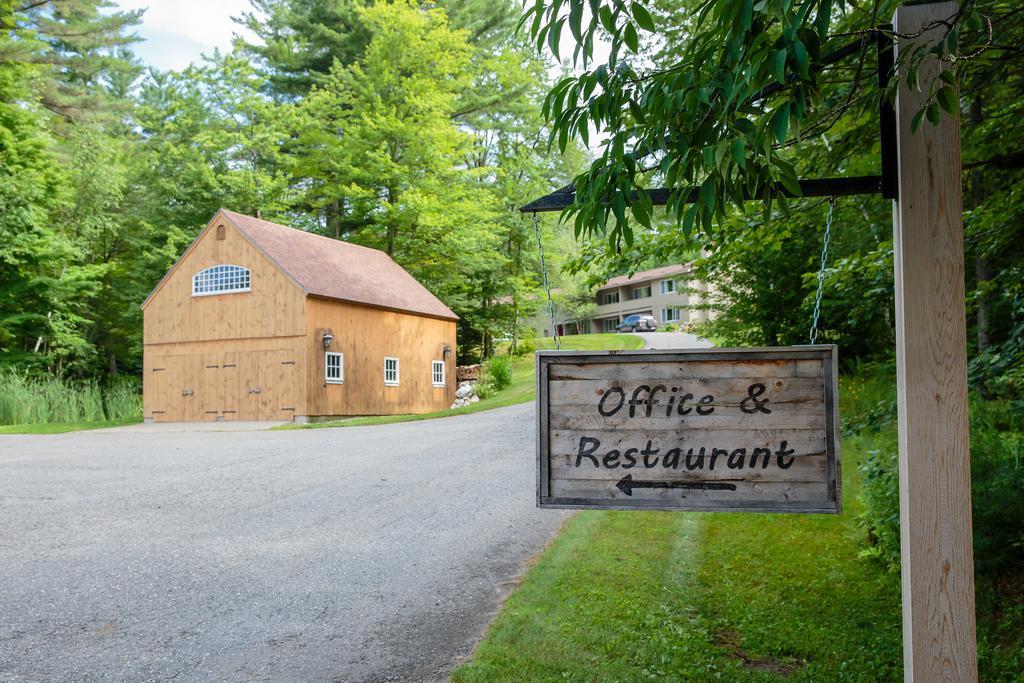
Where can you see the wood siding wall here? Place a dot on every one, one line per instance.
(274, 307)
(234, 356)
(365, 336)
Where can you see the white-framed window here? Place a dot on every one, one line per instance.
(668, 286)
(669, 315)
(334, 368)
(221, 279)
(610, 297)
(641, 292)
(437, 373)
(610, 324)
(390, 372)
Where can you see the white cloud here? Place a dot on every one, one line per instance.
(177, 32)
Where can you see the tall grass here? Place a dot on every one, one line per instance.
(25, 400)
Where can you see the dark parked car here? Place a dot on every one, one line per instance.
(637, 323)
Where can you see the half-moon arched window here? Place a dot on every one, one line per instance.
(221, 279)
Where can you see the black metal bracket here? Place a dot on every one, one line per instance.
(884, 184)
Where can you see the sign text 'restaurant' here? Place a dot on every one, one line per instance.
(695, 430)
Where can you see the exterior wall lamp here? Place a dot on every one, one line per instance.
(447, 351)
(327, 339)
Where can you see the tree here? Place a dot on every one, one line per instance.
(62, 71)
(213, 139)
(833, 133)
(81, 45)
(707, 120)
(301, 40)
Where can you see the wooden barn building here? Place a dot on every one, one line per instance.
(258, 321)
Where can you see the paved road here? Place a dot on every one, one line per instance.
(673, 340)
(356, 554)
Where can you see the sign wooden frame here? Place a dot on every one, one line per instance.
(829, 502)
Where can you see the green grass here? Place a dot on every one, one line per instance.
(28, 400)
(521, 389)
(62, 427)
(634, 596)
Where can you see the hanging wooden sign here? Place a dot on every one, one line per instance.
(751, 430)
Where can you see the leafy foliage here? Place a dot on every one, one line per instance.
(997, 491)
(713, 124)
(411, 129)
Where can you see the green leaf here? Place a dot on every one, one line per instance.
(554, 35)
(802, 62)
(739, 153)
(743, 125)
(946, 97)
(637, 112)
(607, 19)
(688, 218)
(747, 14)
(640, 212)
(780, 123)
(933, 114)
(823, 18)
(576, 19)
(631, 38)
(791, 184)
(912, 82)
(779, 66)
(707, 195)
(915, 122)
(542, 37)
(619, 207)
(642, 17)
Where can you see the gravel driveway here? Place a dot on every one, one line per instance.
(356, 554)
(673, 340)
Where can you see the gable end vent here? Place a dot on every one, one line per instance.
(221, 232)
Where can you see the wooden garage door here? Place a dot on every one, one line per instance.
(174, 388)
(164, 403)
(268, 385)
(252, 385)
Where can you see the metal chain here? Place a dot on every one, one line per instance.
(821, 271)
(547, 285)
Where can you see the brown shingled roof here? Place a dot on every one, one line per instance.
(645, 275)
(339, 270)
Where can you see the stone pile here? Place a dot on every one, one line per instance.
(465, 394)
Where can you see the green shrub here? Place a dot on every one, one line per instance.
(499, 370)
(524, 348)
(485, 387)
(997, 492)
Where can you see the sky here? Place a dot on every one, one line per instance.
(178, 32)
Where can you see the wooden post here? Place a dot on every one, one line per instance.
(939, 642)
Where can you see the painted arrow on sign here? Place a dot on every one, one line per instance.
(626, 485)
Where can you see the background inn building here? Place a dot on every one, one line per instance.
(669, 294)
